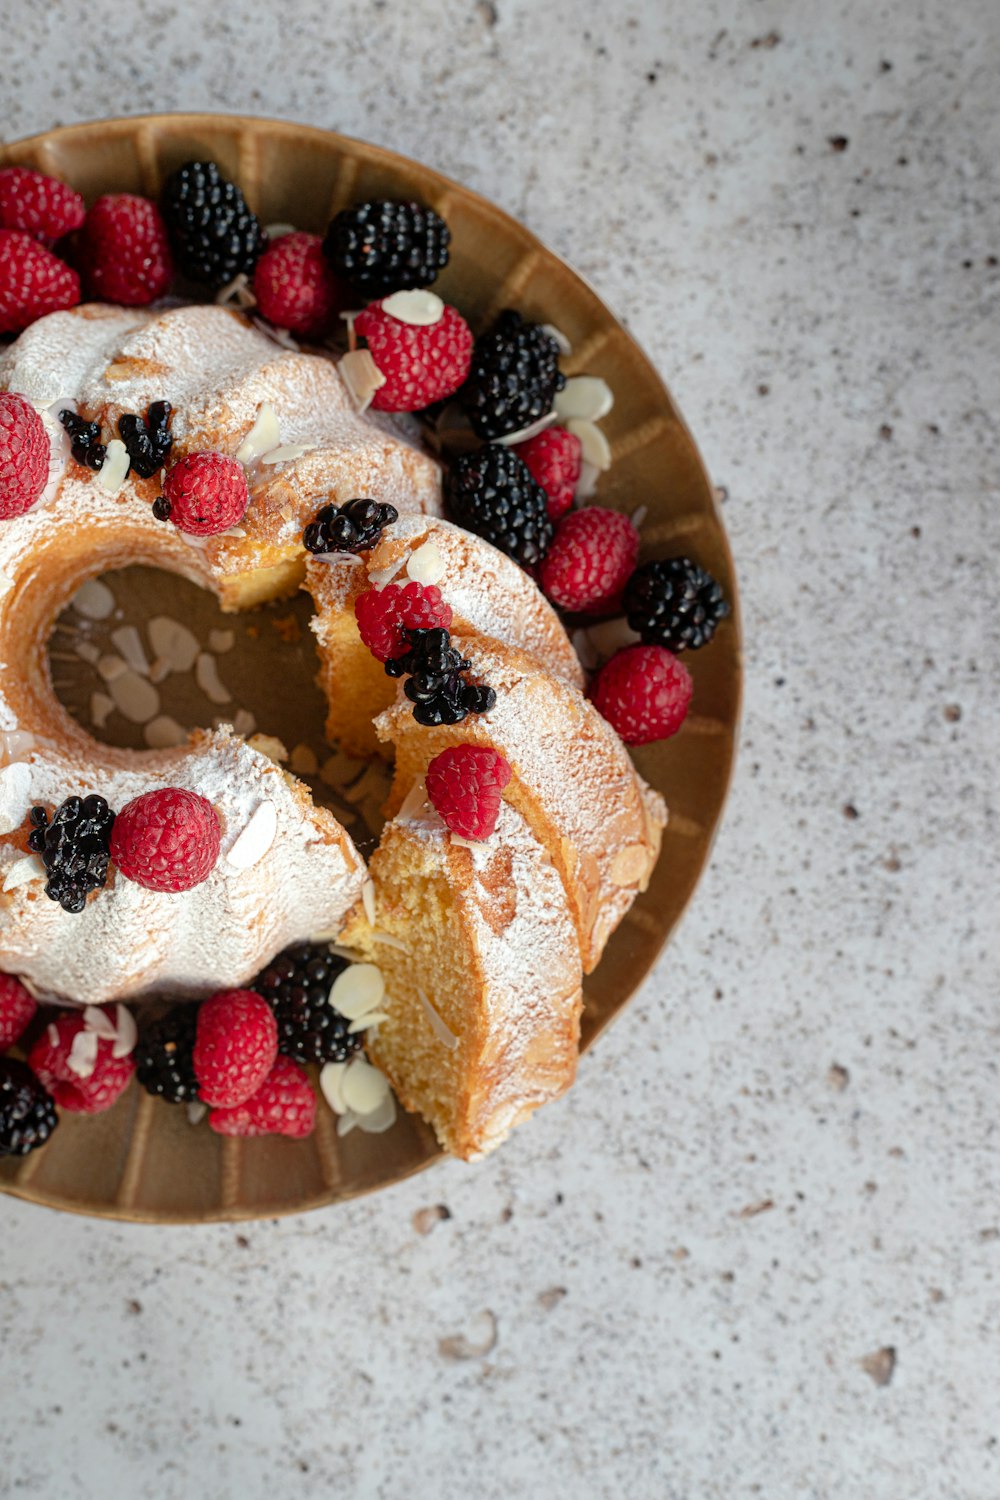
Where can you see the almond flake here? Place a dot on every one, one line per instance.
(15, 795)
(303, 761)
(357, 990)
(365, 1022)
(444, 1034)
(586, 397)
(426, 565)
(126, 1032)
(639, 515)
(88, 652)
(262, 437)
(381, 1119)
(94, 600)
(368, 900)
(101, 707)
(629, 865)
(287, 453)
(244, 722)
(237, 293)
(206, 674)
(419, 309)
(271, 746)
(560, 340)
(364, 1087)
(163, 733)
(99, 1022)
(82, 1059)
(196, 1111)
(135, 697)
(331, 1079)
(594, 446)
(28, 867)
(610, 636)
(173, 643)
(532, 430)
(389, 941)
(362, 377)
(221, 641)
(114, 470)
(347, 1122)
(586, 485)
(128, 642)
(413, 802)
(278, 231)
(256, 838)
(110, 667)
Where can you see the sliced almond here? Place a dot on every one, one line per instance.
(639, 515)
(82, 1059)
(256, 838)
(629, 865)
(271, 746)
(368, 900)
(594, 446)
(557, 336)
(303, 761)
(15, 795)
(163, 733)
(287, 453)
(87, 651)
(610, 636)
(362, 377)
(237, 293)
(173, 642)
(331, 1078)
(94, 600)
(206, 675)
(101, 708)
(135, 697)
(244, 722)
(586, 486)
(532, 430)
(114, 470)
(126, 1032)
(262, 437)
(28, 867)
(388, 940)
(380, 1119)
(128, 641)
(420, 309)
(369, 1019)
(99, 1022)
(426, 565)
(586, 397)
(413, 802)
(357, 990)
(109, 667)
(364, 1087)
(221, 641)
(444, 1034)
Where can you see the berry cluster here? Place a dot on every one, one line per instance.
(147, 440)
(75, 846)
(354, 527)
(85, 444)
(434, 682)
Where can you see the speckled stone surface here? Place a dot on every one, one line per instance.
(783, 1163)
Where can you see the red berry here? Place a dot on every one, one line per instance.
(37, 204)
(591, 559)
(283, 1105)
(17, 1008)
(86, 1077)
(24, 455)
(295, 285)
(235, 1047)
(124, 252)
(207, 493)
(33, 282)
(166, 840)
(421, 364)
(383, 615)
(465, 785)
(553, 456)
(644, 693)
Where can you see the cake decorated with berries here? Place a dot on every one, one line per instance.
(309, 413)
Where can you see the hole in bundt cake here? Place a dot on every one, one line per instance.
(141, 656)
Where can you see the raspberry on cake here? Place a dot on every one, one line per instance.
(167, 840)
(33, 282)
(123, 250)
(590, 560)
(295, 286)
(38, 205)
(25, 451)
(384, 246)
(385, 615)
(465, 785)
(422, 362)
(204, 494)
(236, 1043)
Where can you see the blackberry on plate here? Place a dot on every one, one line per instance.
(492, 492)
(164, 1056)
(354, 527)
(27, 1113)
(147, 440)
(75, 848)
(435, 685)
(297, 985)
(83, 436)
(213, 234)
(674, 603)
(384, 246)
(514, 377)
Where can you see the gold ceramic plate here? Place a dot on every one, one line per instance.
(142, 1160)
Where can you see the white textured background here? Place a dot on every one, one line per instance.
(826, 319)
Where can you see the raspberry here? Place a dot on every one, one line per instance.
(590, 560)
(384, 614)
(295, 286)
(204, 494)
(384, 246)
(83, 1077)
(124, 253)
(166, 840)
(644, 693)
(465, 785)
(38, 205)
(27, 1113)
(553, 459)
(421, 364)
(24, 455)
(284, 1104)
(33, 282)
(235, 1047)
(17, 1007)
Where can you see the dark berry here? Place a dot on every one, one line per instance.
(84, 435)
(27, 1113)
(75, 848)
(383, 246)
(161, 508)
(674, 603)
(492, 493)
(354, 527)
(164, 1062)
(434, 684)
(297, 986)
(213, 234)
(514, 377)
(148, 439)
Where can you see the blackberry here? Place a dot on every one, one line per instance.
(385, 246)
(27, 1113)
(674, 603)
(83, 439)
(164, 1056)
(213, 234)
(354, 527)
(514, 377)
(493, 493)
(297, 988)
(434, 684)
(74, 847)
(148, 439)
